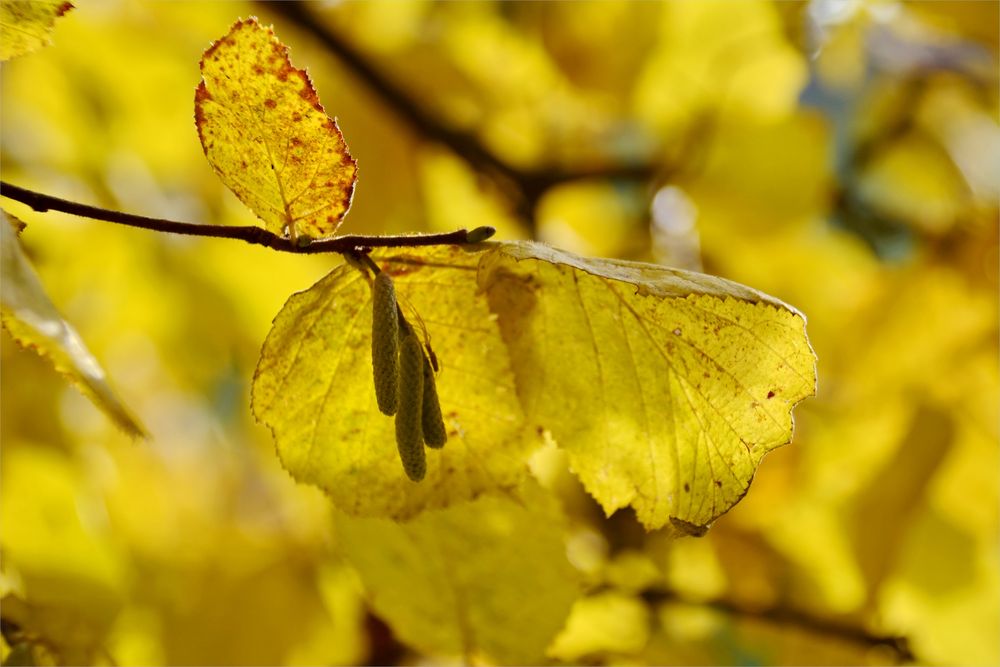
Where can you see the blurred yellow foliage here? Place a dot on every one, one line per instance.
(838, 155)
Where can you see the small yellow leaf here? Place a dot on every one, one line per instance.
(268, 137)
(25, 24)
(34, 322)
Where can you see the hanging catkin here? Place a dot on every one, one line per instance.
(435, 434)
(385, 343)
(409, 433)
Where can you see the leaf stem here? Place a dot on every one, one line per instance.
(250, 234)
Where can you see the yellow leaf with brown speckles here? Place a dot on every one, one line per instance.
(25, 24)
(268, 137)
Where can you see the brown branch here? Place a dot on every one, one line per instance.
(530, 184)
(250, 234)
(792, 617)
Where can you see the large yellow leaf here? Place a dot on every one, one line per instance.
(666, 387)
(314, 389)
(488, 578)
(25, 24)
(268, 137)
(34, 322)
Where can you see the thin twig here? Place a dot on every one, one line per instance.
(530, 184)
(792, 617)
(250, 234)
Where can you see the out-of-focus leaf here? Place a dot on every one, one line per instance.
(25, 24)
(70, 574)
(314, 389)
(488, 577)
(666, 387)
(915, 181)
(268, 137)
(691, 70)
(605, 623)
(33, 321)
(950, 613)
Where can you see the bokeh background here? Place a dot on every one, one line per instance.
(842, 155)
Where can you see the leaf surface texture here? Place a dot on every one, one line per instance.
(25, 25)
(665, 387)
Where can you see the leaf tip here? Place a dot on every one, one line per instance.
(688, 528)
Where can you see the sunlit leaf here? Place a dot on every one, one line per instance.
(34, 322)
(488, 577)
(268, 137)
(25, 24)
(314, 389)
(666, 387)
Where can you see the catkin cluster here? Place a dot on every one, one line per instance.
(404, 381)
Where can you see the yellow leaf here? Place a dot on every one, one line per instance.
(488, 577)
(314, 389)
(268, 137)
(33, 321)
(25, 24)
(666, 387)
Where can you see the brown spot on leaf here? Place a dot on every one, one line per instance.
(256, 51)
(687, 487)
(770, 394)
